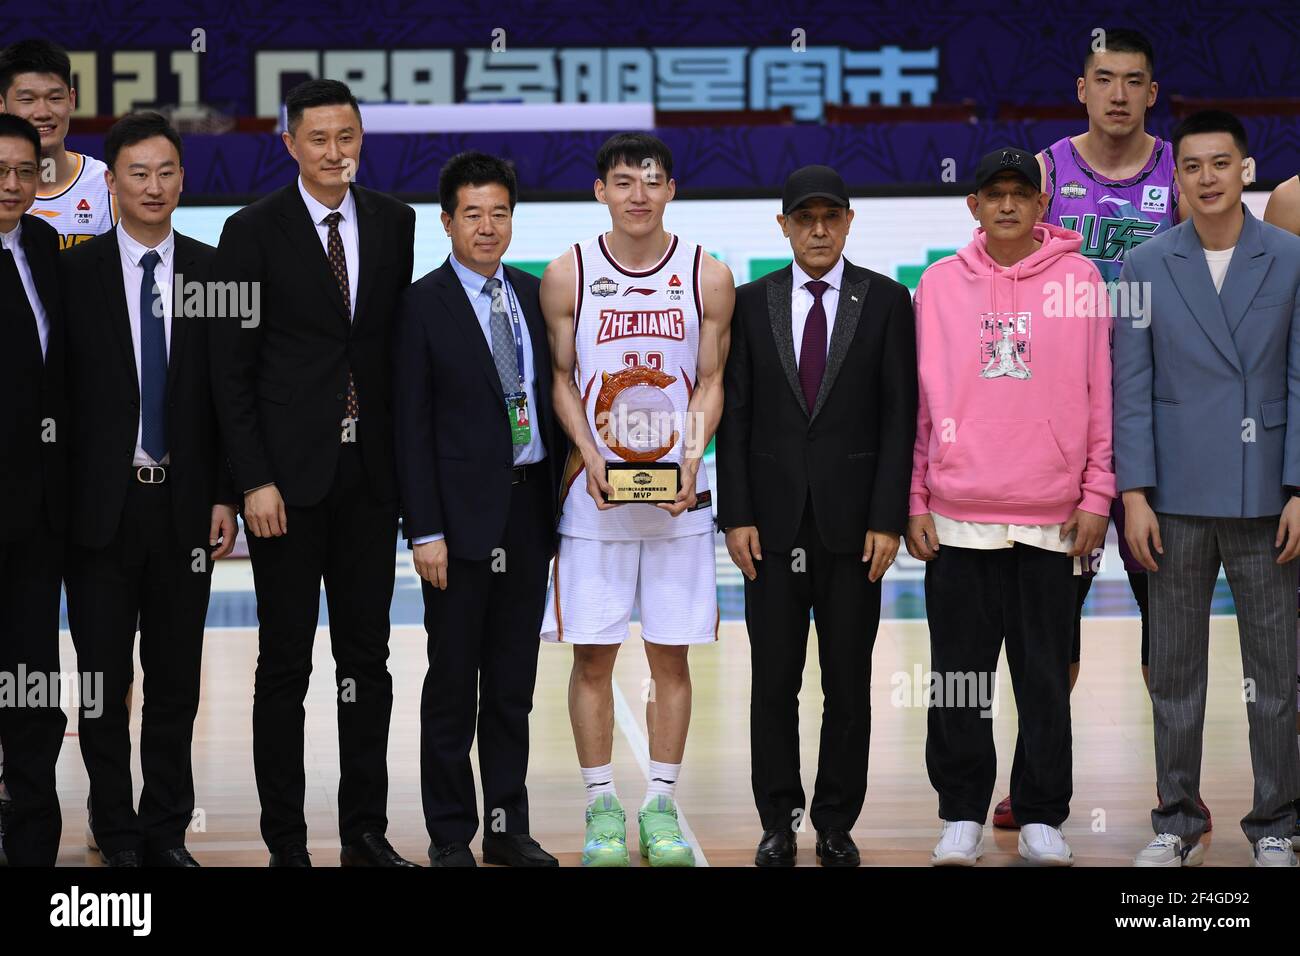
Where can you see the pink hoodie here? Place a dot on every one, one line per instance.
(1014, 420)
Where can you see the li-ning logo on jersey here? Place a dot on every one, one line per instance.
(1107, 237)
(628, 291)
(658, 323)
(1004, 345)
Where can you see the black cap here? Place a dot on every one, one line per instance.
(813, 182)
(1008, 159)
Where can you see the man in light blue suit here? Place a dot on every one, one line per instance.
(1207, 455)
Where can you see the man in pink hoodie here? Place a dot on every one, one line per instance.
(1011, 479)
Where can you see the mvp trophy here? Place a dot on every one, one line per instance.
(636, 420)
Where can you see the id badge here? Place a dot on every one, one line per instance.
(521, 431)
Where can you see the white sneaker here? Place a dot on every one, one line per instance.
(1044, 845)
(960, 844)
(1169, 850)
(1274, 851)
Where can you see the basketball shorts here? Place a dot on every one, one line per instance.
(596, 584)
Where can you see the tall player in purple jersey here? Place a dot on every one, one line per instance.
(1115, 185)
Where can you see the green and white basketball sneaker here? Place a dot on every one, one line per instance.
(606, 833)
(661, 835)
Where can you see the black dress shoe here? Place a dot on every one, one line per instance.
(450, 854)
(291, 854)
(836, 848)
(515, 849)
(121, 858)
(178, 856)
(371, 849)
(777, 848)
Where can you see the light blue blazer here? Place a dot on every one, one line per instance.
(1207, 393)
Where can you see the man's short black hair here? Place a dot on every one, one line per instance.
(318, 93)
(136, 128)
(16, 127)
(1211, 121)
(633, 149)
(472, 168)
(1123, 40)
(33, 56)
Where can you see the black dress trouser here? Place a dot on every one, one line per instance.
(846, 607)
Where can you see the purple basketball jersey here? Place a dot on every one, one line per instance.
(1113, 217)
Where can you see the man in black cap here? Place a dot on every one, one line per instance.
(1011, 483)
(814, 459)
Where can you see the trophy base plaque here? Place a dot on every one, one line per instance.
(651, 481)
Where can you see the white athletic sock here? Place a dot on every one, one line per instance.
(598, 780)
(663, 780)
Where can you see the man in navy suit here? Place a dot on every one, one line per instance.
(478, 455)
(1207, 453)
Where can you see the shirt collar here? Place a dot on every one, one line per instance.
(318, 210)
(11, 239)
(135, 250)
(834, 278)
(474, 281)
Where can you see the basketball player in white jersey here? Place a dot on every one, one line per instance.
(639, 326)
(1283, 211)
(73, 197)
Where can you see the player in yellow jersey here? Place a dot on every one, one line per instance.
(36, 84)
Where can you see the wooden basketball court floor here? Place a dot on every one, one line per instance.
(1114, 787)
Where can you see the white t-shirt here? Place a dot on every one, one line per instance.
(1218, 260)
(991, 536)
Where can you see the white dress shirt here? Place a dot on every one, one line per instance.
(481, 302)
(801, 302)
(131, 253)
(347, 232)
(12, 241)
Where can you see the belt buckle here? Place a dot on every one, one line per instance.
(156, 474)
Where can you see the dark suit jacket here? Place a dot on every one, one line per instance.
(281, 383)
(853, 450)
(33, 471)
(454, 453)
(104, 396)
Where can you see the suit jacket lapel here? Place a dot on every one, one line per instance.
(779, 314)
(1250, 263)
(296, 222)
(1191, 277)
(369, 248)
(45, 276)
(853, 293)
(463, 317)
(115, 293)
(183, 264)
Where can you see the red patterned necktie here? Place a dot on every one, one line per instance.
(339, 266)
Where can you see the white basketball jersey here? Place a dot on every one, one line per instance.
(84, 209)
(637, 336)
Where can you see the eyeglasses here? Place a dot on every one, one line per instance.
(25, 173)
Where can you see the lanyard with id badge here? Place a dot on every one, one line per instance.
(521, 430)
